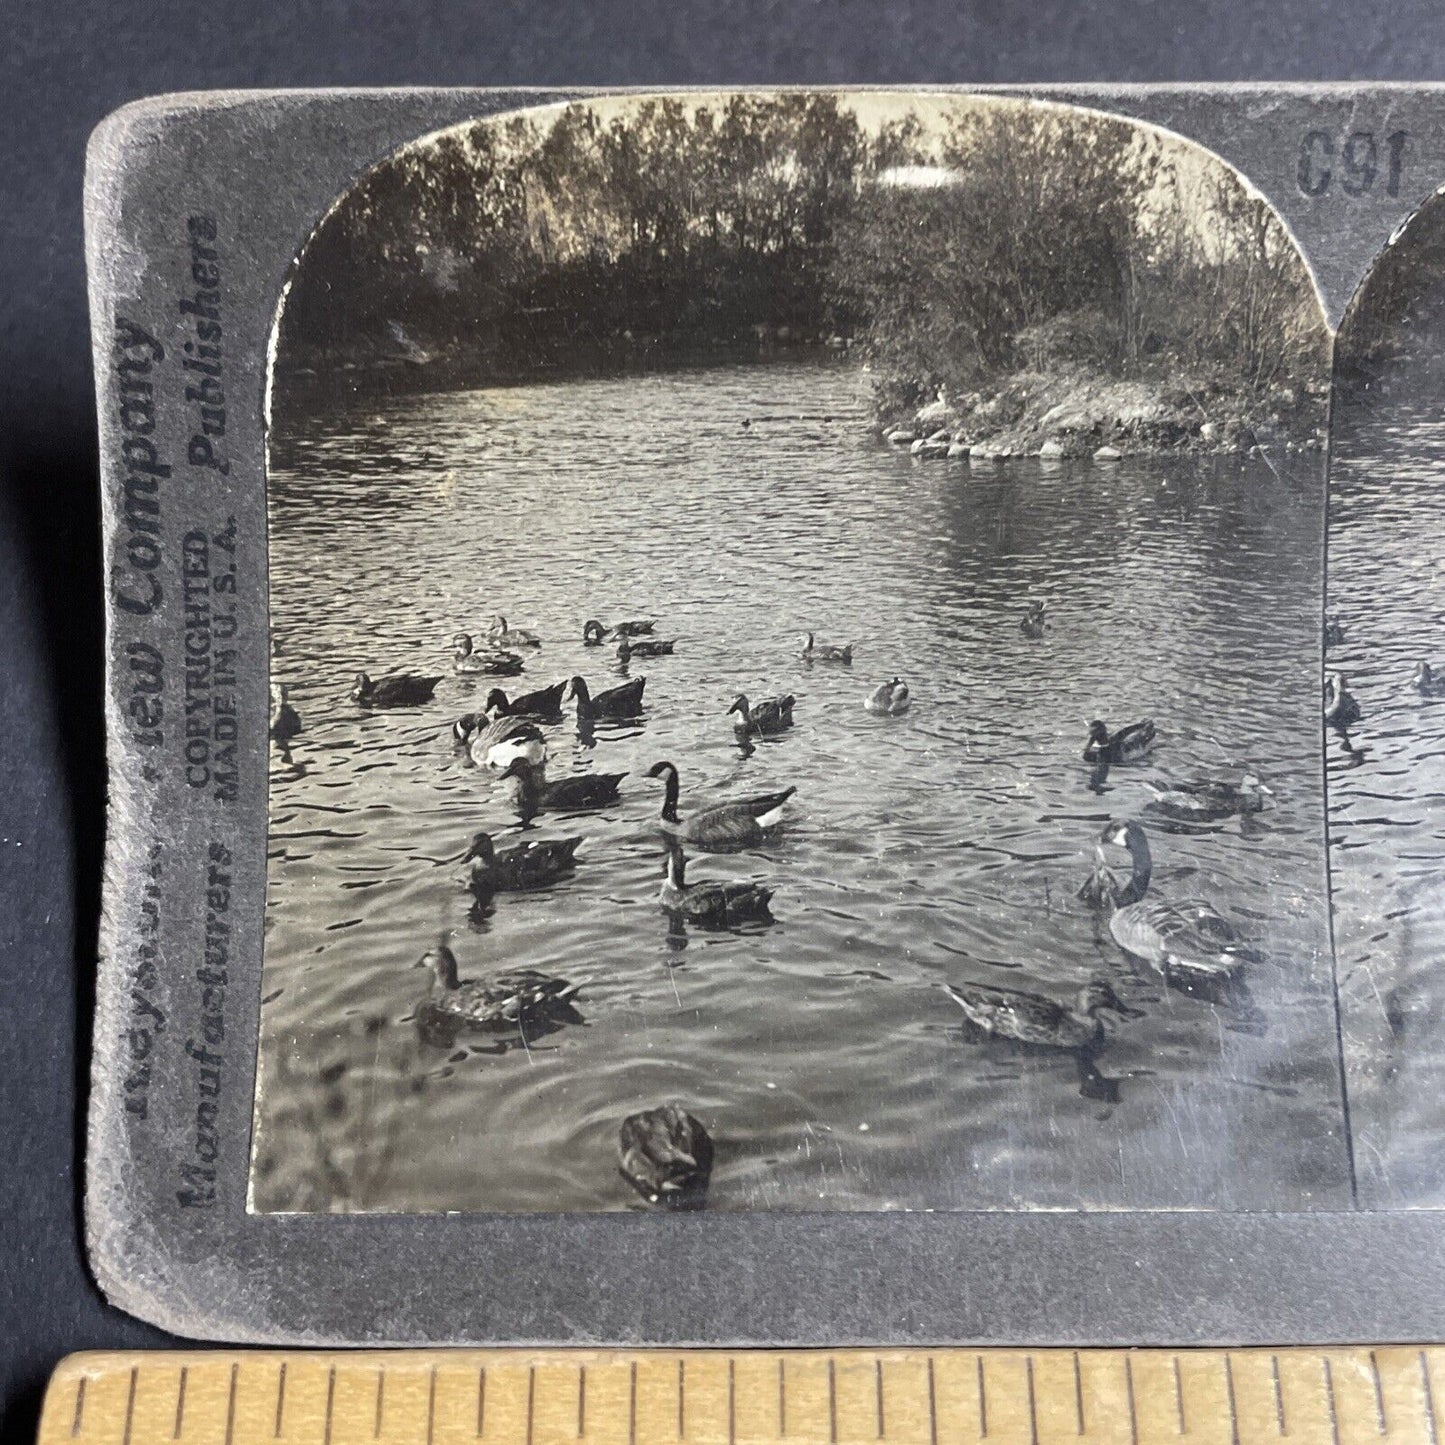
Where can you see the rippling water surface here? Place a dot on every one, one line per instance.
(945, 845)
(1387, 791)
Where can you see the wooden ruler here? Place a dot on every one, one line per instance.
(736, 1397)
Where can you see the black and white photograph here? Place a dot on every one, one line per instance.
(797, 623)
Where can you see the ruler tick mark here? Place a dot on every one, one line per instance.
(632, 1405)
(1078, 1397)
(932, 1406)
(1129, 1389)
(531, 1402)
(1179, 1397)
(1425, 1382)
(982, 1400)
(1233, 1407)
(376, 1418)
(1278, 1396)
(878, 1391)
(783, 1396)
(481, 1399)
(180, 1404)
(582, 1401)
(681, 1397)
(1033, 1402)
(80, 1405)
(130, 1403)
(431, 1406)
(732, 1402)
(231, 1408)
(280, 1402)
(1379, 1393)
(832, 1401)
(1330, 1399)
(330, 1406)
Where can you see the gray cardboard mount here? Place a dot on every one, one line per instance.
(179, 991)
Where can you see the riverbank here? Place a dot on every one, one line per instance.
(1073, 411)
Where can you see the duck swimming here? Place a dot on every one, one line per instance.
(719, 905)
(1425, 681)
(725, 826)
(469, 662)
(890, 699)
(1128, 745)
(594, 633)
(1030, 1018)
(615, 702)
(666, 1155)
(1035, 621)
(285, 720)
(398, 689)
(504, 636)
(546, 702)
(1208, 800)
(528, 865)
(509, 1000)
(825, 652)
(1341, 710)
(627, 648)
(1189, 942)
(531, 793)
(1334, 632)
(767, 715)
(495, 742)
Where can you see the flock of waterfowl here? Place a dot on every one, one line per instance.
(665, 1153)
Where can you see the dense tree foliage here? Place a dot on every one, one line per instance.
(668, 228)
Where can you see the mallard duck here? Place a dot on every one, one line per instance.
(1030, 1018)
(1035, 620)
(825, 652)
(889, 699)
(398, 689)
(1128, 745)
(504, 636)
(546, 702)
(715, 904)
(1425, 682)
(725, 826)
(510, 1000)
(615, 702)
(666, 1155)
(285, 720)
(531, 793)
(528, 865)
(1191, 944)
(495, 742)
(627, 648)
(767, 715)
(1340, 708)
(1334, 632)
(469, 662)
(594, 633)
(1207, 800)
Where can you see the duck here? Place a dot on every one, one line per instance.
(1425, 682)
(615, 702)
(1102, 890)
(531, 793)
(1207, 800)
(495, 742)
(1030, 1018)
(825, 652)
(468, 661)
(1334, 632)
(285, 720)
(1035, 620)
(889, 699)
(666, 1156)
(714, 904)
(398, 689)
(628, 648)
(743, 823)
(528, 865)
(1128, 745)
(1188, 942)
(546, 702)
(504, 636)
(1341, 710)
(767, 715)
(595, 633)
(509, 1000)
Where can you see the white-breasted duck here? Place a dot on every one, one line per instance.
(1341, 710)
(718, 905)
(1031, 1018)
(615, 702)
(508, 1000)
(767, 715)
(469, 662)
(814, 651)
(1426, 682)
(495, 742)
(1035, 620)
(533, 864)
(531, 793)
(889, 699)
(1132, 742)
(285, 720)
(724, 827)
(503, 635)
(666, 1156)
(1207, 800)
(397, 689)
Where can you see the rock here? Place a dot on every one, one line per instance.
(928, 448)
(958, 449)
(1052, 448)
(1108, 454)
(1209, 432)
(900, 436)
(941, 435)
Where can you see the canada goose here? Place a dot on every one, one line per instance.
(1030, 1018)
(616, 702)
(666, 1155)
(711, 904)
(398, 689)
(889, 699)
(508, 1000)
(531, 793)
(528, 865)
(825, 652)
(285, 720)
(767, 715)
(743, 823)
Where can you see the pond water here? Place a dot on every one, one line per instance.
(1387, 788)
(945, 845)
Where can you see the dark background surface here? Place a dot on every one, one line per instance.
(64, 68)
